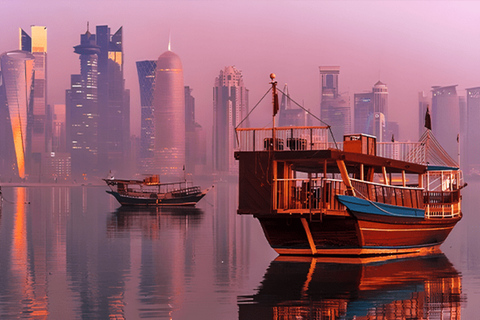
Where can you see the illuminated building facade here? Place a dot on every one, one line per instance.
(230, 106)
(16, 89)
(82, 110)
(169, 115)
(371, 112)
(446, 118)
(334, 106)
(113, 102)
(38, 128)
(146, 78)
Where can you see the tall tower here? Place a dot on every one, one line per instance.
(230, 106)
(16, 84)
(422, 110)
(446, 117)
(146, 78)
(473, 130)
(334, 107)
(169, 114)
(38, 130)
(82, 109)
(371, 111)
(113, 102)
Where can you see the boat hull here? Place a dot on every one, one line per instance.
(366, 231)
(188, 200)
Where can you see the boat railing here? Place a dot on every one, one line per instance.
(317, 138)
(442, 204)
(308, 194)
(286, 138)
(410, 197)
(404, 151)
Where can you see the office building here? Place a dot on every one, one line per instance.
(16, 99)
(230, 106)
(113, 102)
(146, 78)
(423, 103)
(472, 146)
(334, 106)
(39, 127)
(169, 115)
(82, 117)
(371, 112)
(446, 118)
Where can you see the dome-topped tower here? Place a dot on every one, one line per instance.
(169, 114)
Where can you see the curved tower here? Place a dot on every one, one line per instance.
(17, 80)
(169, 114)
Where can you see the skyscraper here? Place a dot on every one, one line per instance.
(230, 106)
(146, 78)
(113, 102)
(334, 107)
(82, 109)
(40, 140)
(371, 112)
(473, 130)
(422, 110)
(446, 118)
(16, 84)
(169, 114)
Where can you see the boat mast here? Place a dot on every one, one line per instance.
(275, 107)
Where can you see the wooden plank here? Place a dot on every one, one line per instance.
(309, 236)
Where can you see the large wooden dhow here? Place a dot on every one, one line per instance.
(360, 197)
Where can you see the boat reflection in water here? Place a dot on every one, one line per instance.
(402, 287)
(150, 219)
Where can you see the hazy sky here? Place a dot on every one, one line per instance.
(409, 45)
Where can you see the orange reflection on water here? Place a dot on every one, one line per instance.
(22, 268)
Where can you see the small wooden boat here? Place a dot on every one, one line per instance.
(359, 197)
(150, 192)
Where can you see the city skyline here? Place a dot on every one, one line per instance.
(411, 46)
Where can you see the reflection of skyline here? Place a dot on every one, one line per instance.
(349, 288)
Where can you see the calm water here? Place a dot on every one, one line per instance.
(72, 253)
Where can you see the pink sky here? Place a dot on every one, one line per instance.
(408, 45)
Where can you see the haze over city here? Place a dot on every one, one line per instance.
(410, 46)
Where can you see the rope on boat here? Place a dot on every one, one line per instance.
(236, 134)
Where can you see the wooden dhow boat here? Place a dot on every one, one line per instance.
(150, 192)
(360, 197)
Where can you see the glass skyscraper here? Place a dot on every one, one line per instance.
(169, 114)
(16, 79)
(38, 129)
(146, 78)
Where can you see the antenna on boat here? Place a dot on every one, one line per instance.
(275, 106)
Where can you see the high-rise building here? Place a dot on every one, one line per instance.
(446, 118)
(113, 102)
(40, 140)
(16, 99)
(169, 115)
(98, 106)
(289, 115)
(472, 147)
(334, 106)
(371, 112)
(423, 103)
(146, 78)
(82, 110)
(230, 106)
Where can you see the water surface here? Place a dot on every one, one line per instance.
(73, 253)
